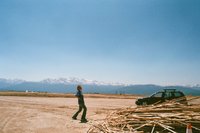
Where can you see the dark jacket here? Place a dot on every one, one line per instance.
(79, 94)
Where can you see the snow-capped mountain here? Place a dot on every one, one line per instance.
(74, 80)
(196, 85)
(66, 81)
(12, 81)
(68, 85)
(60, 85)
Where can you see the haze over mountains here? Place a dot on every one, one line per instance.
(68, 85)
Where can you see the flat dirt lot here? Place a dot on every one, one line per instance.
(53, 115)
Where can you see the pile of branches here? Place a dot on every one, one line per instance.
(168, 117)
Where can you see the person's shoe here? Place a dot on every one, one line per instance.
(74, 118)
(84, 120)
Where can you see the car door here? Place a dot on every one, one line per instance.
(168, 96)
(158, 97)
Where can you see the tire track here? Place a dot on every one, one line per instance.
(9, 118)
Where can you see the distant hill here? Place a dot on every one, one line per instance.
(69, 86)
(149, 89)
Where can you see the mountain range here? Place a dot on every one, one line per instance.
(68, 85)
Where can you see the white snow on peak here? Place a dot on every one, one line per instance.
(74, 80)
(71, 80)
(12, 81)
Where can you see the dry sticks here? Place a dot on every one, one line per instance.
(167, 117)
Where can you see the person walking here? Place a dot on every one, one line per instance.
(81, 104)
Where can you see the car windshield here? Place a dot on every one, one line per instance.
(158, 94)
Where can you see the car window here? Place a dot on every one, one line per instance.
(178, 94)
(159, 95)
(168, 95)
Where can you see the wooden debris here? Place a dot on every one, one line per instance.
(168, 117)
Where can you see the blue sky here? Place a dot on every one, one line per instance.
(128, 41)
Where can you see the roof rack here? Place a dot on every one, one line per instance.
(169, 90)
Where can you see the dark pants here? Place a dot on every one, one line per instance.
(81, 106)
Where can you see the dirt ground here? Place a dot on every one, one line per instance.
(53, 115)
